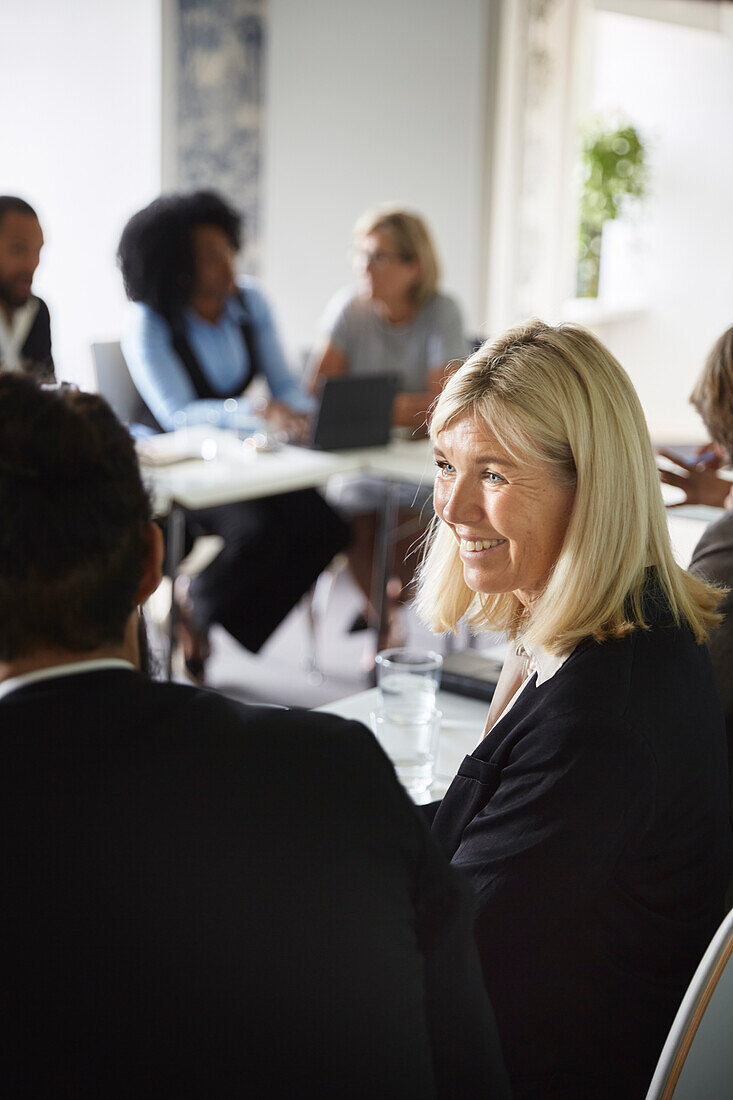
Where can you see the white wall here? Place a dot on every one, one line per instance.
(365, 103)
(676, 84)
(80, 84)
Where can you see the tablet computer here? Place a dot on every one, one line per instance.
(354, 412)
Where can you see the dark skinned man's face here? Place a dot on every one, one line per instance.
(21, 241)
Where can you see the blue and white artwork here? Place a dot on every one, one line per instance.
(219, 105)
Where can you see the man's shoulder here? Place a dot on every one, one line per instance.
(224, 715)
(196, 722)
(41, 308)
(712, 558)
(126, 687)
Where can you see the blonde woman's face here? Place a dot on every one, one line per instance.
(509, 518)
(387, 276)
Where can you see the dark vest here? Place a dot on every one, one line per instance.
(35, 354)
(199, 381)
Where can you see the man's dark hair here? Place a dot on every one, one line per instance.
(17, 206)
(73, 512)
(155, 252)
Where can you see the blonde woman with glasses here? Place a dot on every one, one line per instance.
(592, 818)
(394, 319)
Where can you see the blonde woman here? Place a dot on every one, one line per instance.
(395, 319)
(592, 818)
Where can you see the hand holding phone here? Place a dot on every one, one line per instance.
(698, 478)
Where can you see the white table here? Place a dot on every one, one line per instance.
(460, 731)
(233, 470)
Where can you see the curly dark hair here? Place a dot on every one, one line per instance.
(74, 513)
(155, 252)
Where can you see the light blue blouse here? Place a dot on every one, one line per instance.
(165, 386)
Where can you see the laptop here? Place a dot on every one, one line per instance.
(467, 672)
(354, 412)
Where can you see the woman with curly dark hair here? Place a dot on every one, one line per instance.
(197, 339)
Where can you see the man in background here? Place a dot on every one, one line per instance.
(712, 558)
(25, 329)
(199, 898)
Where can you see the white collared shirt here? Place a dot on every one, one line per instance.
(14, 334)
(52, 671)
(543, 663)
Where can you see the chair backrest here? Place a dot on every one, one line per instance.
(697, 1060)
(115, 384)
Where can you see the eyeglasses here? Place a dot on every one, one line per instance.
(364, 259)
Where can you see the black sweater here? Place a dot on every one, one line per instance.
(593, 822)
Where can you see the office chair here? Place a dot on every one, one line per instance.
(697, 1060)
(116, 386)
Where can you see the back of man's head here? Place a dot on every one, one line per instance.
(73, 516)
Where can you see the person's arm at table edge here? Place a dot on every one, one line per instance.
(410, 410)
(329, 361)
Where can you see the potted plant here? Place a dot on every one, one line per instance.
(615, 174)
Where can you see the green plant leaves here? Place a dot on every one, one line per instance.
(614, 167)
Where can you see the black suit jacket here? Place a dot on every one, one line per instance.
(36, 350)
(713, 561)
(201, 898)
(593, 822)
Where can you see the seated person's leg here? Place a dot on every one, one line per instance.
(405, 558)
(274, 550)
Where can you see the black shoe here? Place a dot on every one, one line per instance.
(196, 669)
(358, 624)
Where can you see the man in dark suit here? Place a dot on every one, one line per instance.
(25, 327)
(712, 558)
(199, 898)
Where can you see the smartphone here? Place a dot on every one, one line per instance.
(689, 456)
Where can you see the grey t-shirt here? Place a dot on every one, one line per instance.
(435, 336)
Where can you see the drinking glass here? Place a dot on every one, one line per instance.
(408, 680)
(406, 722)
(411, 744)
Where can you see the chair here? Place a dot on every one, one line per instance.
(115, 384)
(697, 1060)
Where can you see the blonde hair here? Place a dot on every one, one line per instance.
(713, 393)
(411, 240)
(556, 395)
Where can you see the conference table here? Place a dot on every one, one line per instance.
(203, 466)
(460, 731)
